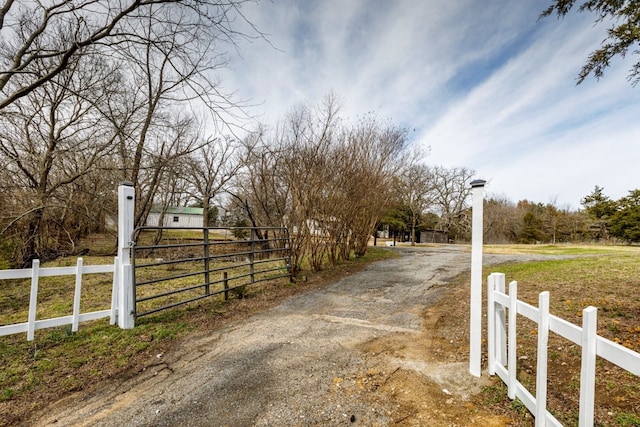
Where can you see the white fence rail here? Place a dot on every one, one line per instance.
(502, 357)
(76, 317)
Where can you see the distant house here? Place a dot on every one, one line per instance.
(176, 217)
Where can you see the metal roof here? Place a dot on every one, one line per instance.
(178, 210)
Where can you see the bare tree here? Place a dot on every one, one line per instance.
(50, 139)
(415, 189)
(164, 154)
(552, 217)
(503, 220)
(210, 170)
(284, 178)
(372, 156)
(311, 134)
(95, 85)
(324, 179)
(452, 193)
(29, 33)
(259, 188)
(168, 64)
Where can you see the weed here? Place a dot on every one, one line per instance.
(240, 292)
(520, 407)
(7, 394)
(168, 331)
(627, 420)
(140, 346)
(32, 379)
(78, 362)
(494, 394)
(568, 417)
(574, 383)
(36, 352)
(95, 372)
(71, 382)
(44, 365)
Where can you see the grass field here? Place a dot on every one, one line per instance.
(607, 278)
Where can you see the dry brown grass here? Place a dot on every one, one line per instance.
(605, 278)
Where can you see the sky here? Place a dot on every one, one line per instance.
(484, 85)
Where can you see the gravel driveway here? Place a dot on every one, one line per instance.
(301, 363)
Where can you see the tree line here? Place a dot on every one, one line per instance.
(600, 220)
(425, 201)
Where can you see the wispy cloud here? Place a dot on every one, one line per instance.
(484, 84)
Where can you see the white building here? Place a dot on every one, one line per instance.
(176, 217)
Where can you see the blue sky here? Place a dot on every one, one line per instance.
(485, 85)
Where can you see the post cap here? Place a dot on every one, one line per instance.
(478, 183)
(130, 184)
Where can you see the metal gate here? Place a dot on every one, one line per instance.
(175, 266)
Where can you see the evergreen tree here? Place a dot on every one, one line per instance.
(623, 35)
(600, 208)
(625, 223)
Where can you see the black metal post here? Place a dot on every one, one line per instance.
(252, 254)
(226, 285)
(207, 279)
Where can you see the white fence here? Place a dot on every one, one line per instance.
(502, 357)
(74, 319)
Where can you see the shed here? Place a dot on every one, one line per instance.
(177, 217)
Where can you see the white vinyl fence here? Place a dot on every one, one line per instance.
(76, 317)
(502, 357)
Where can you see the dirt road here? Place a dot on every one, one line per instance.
(359, 352)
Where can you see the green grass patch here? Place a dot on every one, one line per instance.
(627, 420)
(562, 249)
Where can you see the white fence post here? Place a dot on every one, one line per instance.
(501, 324)
(33, 300)
(588, 370)
(475, 327)
(126, 300)
(512, 356)
(113, 317)
(491, 330)
(76, 296)
(541, 369)
(496, 324)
